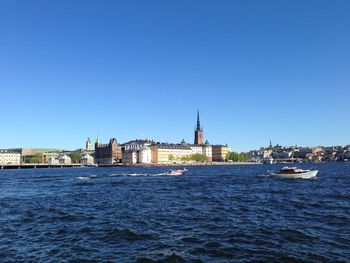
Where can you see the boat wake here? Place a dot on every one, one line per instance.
(93, 176)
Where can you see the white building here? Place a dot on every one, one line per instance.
(136, 145)
(87, 159)
(204, 149)
(145, 155)
(137, 151)
(196, 149)
(10, 158)
(65, 159)
(267, 153)
(53, 160)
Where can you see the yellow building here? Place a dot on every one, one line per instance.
(169, 153)
(220, 152)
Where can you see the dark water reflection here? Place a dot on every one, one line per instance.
(210, 214)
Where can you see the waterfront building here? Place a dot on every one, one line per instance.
(208, 151)
(283, 155)
(89, 145)
(195, 148)
(130, 157)
(53, 160)
(134, 154)
(28, 153)
(51, 156)
(198, 133)
(106, 153)
(205, 149)
(220, 152)
(8, 157)
(119, 153)
(169, 153)
(65, 159)
(145, 155)
(136, 145)
(267, 153)
(302, 153)
(86, 159)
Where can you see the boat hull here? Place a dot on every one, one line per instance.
(175, 173)
(305, 175)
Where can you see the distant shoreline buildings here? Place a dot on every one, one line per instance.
(149, 152)
(134, 152)
(284, 154)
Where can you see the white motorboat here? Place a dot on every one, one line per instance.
(294, 172)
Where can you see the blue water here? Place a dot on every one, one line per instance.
(210, 214)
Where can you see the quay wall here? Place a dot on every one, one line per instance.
(34, 166)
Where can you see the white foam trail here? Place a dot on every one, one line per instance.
(83, 177)
(115, 175)
(160, 174)
(136, 174)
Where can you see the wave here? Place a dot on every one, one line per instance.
(115, 235)
(173, 258)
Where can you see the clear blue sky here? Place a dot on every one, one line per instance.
(256, 70)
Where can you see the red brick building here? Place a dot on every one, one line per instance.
(106, 153)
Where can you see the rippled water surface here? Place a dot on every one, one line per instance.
(210, 214)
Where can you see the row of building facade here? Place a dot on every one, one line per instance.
(280, 153)
(150, 152)
(15, 157)
(130, 153)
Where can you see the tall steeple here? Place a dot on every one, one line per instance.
(198, 133)
(198, 122)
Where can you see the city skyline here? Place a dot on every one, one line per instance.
(257, 71)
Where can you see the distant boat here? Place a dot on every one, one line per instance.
(177, 172)
(294, 172)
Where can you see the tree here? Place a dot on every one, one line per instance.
(198, 157)
(37, 158)
(238, 157)
(75, 157)
(171, 157)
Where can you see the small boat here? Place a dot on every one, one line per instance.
(294, 172)
(177, 172)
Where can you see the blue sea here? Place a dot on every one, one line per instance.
(234, 213)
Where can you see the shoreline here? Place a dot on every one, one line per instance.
(50, 166)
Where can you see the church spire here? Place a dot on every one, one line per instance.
(198, 121)
(198, 133)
